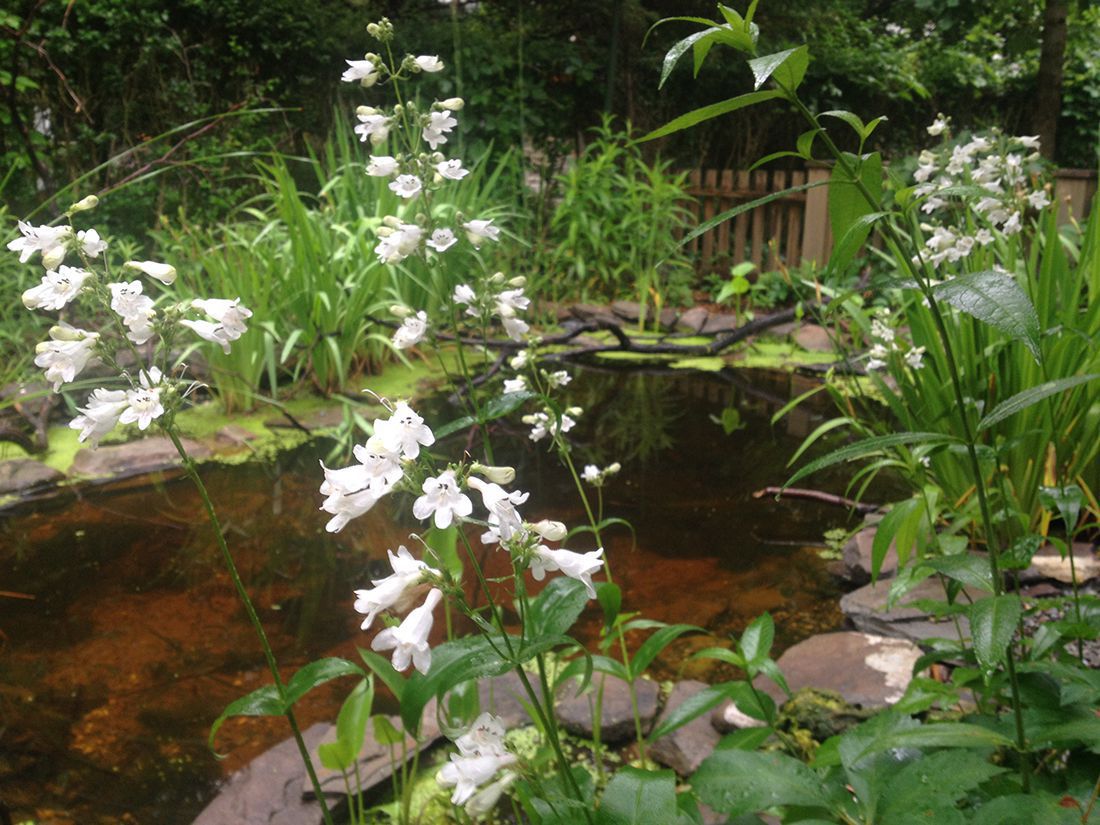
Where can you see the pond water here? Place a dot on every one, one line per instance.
(121, 638)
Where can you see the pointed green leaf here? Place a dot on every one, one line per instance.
(651, 648)
(692, 708)
(710, 112)
(264, 701)
(764, 67)
(965, 568)
(673, 55)
(610, 597)
(992, 625)
(556, 608)
(847, 203)
(639, 797)
(452, 662)
(756, 641)
(317, 673)
(380, 666)
(1032, 395)
(899, 526)
(850, 118)
(867, 447)
(729, 214)
(736, 782)
(996, 299)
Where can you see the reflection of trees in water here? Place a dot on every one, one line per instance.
(630, 416)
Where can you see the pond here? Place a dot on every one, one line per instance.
(121, 638)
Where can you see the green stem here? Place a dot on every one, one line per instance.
(269, 654)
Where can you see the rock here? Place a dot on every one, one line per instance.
(856, 556)
(1049, 564)
(866, 670)
(628, 310)
(866, 609)
(133, 458)
(814, 338)
(594, 312)
(617, 719)
(376, 761)
(812, 715)
(721, 323)
(694, 319)
(685, 748)
(268, 791)
(784, 330)
(22, 474)
(505, 697)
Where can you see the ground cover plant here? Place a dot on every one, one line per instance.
(989, 348)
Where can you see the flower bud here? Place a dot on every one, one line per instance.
(518, 282)
(613, 468)
(574, 411)
(400, 311)
(550, 530)
(82, 205)
(64, 332)
(455, 104)
(379, 135)
(497, 279)
(165, 273)
(53, 258)
(365, 111)
(392, 221)
(497, 475)
(373, 30)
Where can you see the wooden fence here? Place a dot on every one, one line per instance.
(795, 228)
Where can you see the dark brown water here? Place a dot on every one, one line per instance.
(121, 638)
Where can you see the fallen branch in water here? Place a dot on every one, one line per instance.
(817, 495)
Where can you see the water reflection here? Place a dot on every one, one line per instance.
(127, 640)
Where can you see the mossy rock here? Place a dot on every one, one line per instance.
(811, 716)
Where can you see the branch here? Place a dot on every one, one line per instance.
(817, 495)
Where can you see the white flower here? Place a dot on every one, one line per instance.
(451, 169)
(398, 244)
(362, 70)
(230, 314)
(938, 125)
(381, 466)
(441, 240)
(90, 243)
(382, 166)
(165, 273)
(485, 737)
(409, 640)
(501, 505)
(519, 361)
(347, 506)
(543, 424)
(209, 331)
(412, 331)
(143, 403)
(49, 240)
(558, 379)
(510, 301)
(591, 473)
(1029, 142)
(66, 354)
(497, 475)
(579, 566)
(397, 591)
(914, 357)
(57, 288)
(404, 431)
(443, 498)
(406, 186)
(481, 754)
(1012, 225)
(1038, 199)
(477, 231)
(984, 237)
(550, 530)
(485, 801)
(439, 123)
(517, 384)
(135, 308)
(100, 416)
(515, 327)
(464, 294)
(429, 63)
(373, 127)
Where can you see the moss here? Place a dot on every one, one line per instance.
(811, 716)
(704, 364)
(779, 354)
(637, 357)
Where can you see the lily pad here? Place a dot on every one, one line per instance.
(712, 363)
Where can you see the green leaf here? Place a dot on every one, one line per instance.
(738, 782)
(638, 797)
(264, 701)
(679, 49)
(385, 733)
(351, 728)
(935, 781)
(846, 248)
(658, 641)
(380, 666)
(712, 111)
(1021, 809)
(850, 118)
(847, 204)
(792, 61)
(1067, 500)
(556, 608)
(939, 735)
(317, 673)
(444, 544)
(729, 214)
(899, 526)
(452, 662)
(996, 299)
(992, 626)
(691, 708)
(966, 568)
(869, 446)
(462, 423)
(756, 641)
(1032, 395)
(610, 597)
(503, 405)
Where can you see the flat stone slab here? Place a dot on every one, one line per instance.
(867, 670)
(268, 791)
(694, 319)
(685, 748)
(146, 455)
(814, 338)
(866, 609)
(22, 474)
(1047, 563)
(617, 720)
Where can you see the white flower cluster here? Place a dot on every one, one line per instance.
(352, 491)
(71, 349)
(495, 301)
(887, 343)
(597, 477)
(999, 167)
(481, 755)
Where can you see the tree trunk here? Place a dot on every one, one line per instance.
(1048, 95)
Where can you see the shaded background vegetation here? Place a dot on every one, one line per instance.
(80, 82)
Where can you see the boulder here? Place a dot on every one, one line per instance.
(617, 718)
(866, 670)
(814, 338)
(685, 748)
(866, 609)
(1049, 564)
(268, 791)
(23, 474)
(146, 455)
(694, 319)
